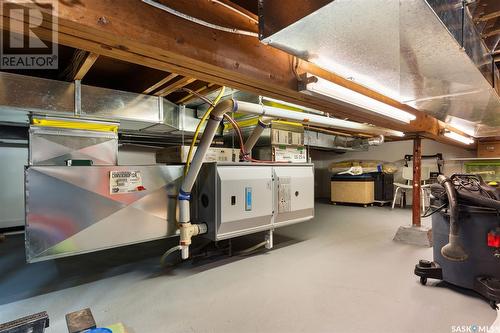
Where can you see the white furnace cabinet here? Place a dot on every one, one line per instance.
(243, 198)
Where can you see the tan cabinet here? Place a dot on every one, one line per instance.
(356, 191)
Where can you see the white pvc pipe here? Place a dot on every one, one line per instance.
(313, 119)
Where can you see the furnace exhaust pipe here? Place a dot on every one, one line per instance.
(262, 124)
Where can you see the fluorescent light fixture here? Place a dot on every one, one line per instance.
(353, 75)
(322, 88)
(465, 126)
(457, 137)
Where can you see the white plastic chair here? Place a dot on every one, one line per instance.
(425, 174)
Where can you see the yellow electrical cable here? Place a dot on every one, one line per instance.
(197, 131)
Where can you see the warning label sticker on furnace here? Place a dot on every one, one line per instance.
(125, 182)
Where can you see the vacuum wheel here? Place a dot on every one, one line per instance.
(423, 280)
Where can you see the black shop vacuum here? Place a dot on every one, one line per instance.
(466, 236)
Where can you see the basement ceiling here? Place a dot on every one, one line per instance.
(424, 53)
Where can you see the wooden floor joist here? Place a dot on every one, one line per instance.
(490, 16)
(160, 83)
(491, 33)
(174, 86)
(79, 65)
(203, 91)
(86, 65)
(138, 33)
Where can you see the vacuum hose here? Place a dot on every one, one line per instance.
(453, 250)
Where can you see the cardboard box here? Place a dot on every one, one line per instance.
(488, 149)
(179, 154)
(284, 137)
(288, 154)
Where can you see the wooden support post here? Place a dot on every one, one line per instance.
(417, 165)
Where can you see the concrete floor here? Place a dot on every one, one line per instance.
(340, 272)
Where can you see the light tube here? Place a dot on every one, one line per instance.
(457, 137)
(322, 87)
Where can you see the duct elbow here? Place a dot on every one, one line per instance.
(228, 105)
(377, 141)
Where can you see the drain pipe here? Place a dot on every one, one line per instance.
(453, 250)
(262, 124)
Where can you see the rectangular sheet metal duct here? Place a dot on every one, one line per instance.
(424, 53)
(72, 210)
(22, 95)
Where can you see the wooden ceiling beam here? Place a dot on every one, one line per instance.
(174, 86)
(160, 83)
(139, 33)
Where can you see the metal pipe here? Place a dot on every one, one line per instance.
(348, 142)
(269, 239)
(256, 133)
(376, 141)
(236, 11)
(198, 21)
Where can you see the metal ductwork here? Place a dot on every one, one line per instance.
(340, 143)
(423, 53)
(21, 96)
